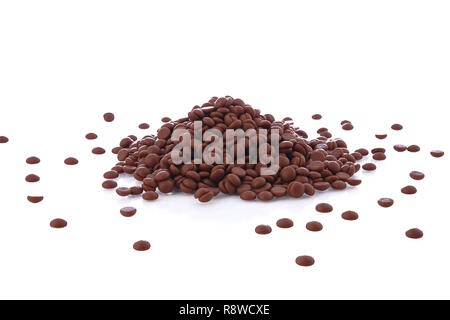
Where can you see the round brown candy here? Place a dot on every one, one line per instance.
(378, 150)
(304, 261)
(111, 174)
(413, 148)
(285, 223)
(144, 126)
(296, 189)
(3, 139)
(33, 160)
(71, 161)
(248, 195)
(324, 207)
(409, 190)
(400, 148)
(150, 195)
(381, 136)
(354, 182)
(91, 136)
(379, 156)
(349, 215)
(278, 191)
(109, 117)
(166, 119)
(32, 178)
(316, 116)
(109, 184)
(58, 223)
(437, 153)
(385, 202)
(164, 133)
(123, 191)
(396, 126)
(35, 199)
(263, 229)
(141, 245)
(416, 175)
(265, 196)
(288, 174)
(128, 211)
(338, 185)
(414, 233)
(369, 166)
(322, 186)
(362, 151)
(314, 226)
(98, 150)
(347, 126)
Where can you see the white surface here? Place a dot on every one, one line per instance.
(64, 63)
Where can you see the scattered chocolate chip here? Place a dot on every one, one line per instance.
(400, 147)
(414, 233)
(385, 202)
(111, 174)
(109, 117)
(414, 148)
(416, 175)
(378, 150)
(91, 136)
(32, 178)
(317, 116)
(263, 229)
(314, 226)
(128, 211)
(324, 207)
(58, 223)
(409, 190)
(437, 153)
(33, 160)
(349, 215)
(379, 156)
(381, 136)
(3, 139)
(248, 195)
(166, 119)
(71, 161)
(354, 182)
(362, 151)
(123, 191)
(347, 126)
(304, 261)
(285, 223)
(144, 126)
(369, 166)
(150, 195)
(109, 184)
(98, 150)
(397, 127)
(35, 199)
(141, 245)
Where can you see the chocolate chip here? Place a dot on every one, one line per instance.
(109, 117)
(397, 126)
(400, 147)
(166, 119)
(35, 199)
(349, 215)
(33, 160)
(437, 153)
(285, 223)
(354, 182)
(414, 233)
(379, 156)
(128, 211)
(265, 196)
(144, 126)
(381, 136)
(123, 191)
(150, 195)
(71, 161)
(362, 151)
(304, 261)
(295, 189)
(324, 208)
(385, 202)
(369, 166)
(91, 136)
(248, 195)
(58, 223)
(263, 229)
(317, 116)
(111, 174)
(347, 126)
(414, 148)
(109, 184)
(278, 191)
(141, 245)
(98, 150)
(409, 190)
(378, 150)
(314, 226)
(416, 175)
(3, 139)
(32, 178)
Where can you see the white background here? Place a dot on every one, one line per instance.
(64, 63)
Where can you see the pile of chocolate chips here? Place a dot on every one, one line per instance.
(305, 165)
